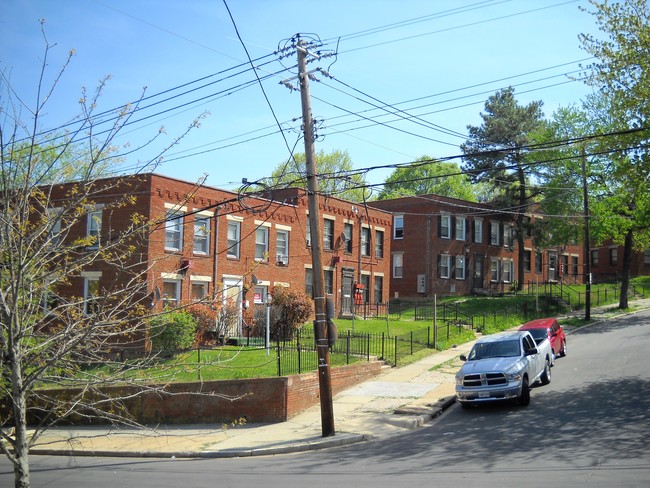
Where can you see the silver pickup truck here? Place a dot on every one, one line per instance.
(502, 367)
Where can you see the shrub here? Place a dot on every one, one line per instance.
(206, 322)
(290, 310)
(172, 332)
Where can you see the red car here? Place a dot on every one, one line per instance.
(541, 329)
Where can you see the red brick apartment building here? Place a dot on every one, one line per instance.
(447, 246)
(607, 262)
(236, 249)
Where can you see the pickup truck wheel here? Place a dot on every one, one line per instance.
(546, 375)
(563, 350)
(524, 397)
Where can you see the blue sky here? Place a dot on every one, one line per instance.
(437, 60)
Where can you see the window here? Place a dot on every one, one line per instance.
(173, 230)
(538, 262)
(234, 229)
(347, 235)
(328, 278)
(379, 243)
(565, 264)
(282, 247)
(94, 227)
(494, 270)
(54, 218)
(646, 256)
(507, 271)
(594, 257)
(379, 289)
(309, 282)
(445, 226)
(613, 256)
(527, 257)
(478, 231)
(443, 267)
(494, 233)
(308, 233)
(91, 293)
(460, 268)
(460, 228)
(199, 290)
(398, 226)
(261, 244)
(507, 235)
(574, 265)
(328, 234)
(365, 281)
(171, 293)
(201, 235)
(398, 265)
(365, 241)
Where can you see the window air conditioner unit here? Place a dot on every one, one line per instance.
(282, 259)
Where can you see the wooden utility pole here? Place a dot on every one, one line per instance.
(320, 324)
(587, 252)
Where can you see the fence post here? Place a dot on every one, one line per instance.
(347, 346)
(299, 359)
(383, 351)
(368, 347)
(395, 351)
(411, 343)
(279, 362)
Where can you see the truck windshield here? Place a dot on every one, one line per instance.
(502, 349)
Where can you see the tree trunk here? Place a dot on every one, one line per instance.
(627, 259)
(20, 456)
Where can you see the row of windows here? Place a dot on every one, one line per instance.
(328, 277)
(458, 228)
(501, 270)
(329, 241)
(93, 226)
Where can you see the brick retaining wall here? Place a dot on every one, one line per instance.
(256, 400)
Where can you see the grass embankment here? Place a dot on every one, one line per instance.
(490, 315)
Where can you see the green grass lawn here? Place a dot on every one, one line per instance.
(490, 314)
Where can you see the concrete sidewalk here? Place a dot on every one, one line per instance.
(398, 400)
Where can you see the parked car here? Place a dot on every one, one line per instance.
(549, 328)
(503, 367)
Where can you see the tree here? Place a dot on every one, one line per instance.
(622, 74)
(427, 176)
(335, 175)
(496, 154)
(46, 334)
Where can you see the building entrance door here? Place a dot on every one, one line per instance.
(347, 280)
(479, 271)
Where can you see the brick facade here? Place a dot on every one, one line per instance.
(447, 246)
(214, 244)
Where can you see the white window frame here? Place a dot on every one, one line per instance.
(459, 272)
(328, 234)
(494, 270)
(398, 265)
(201, 234)
(494, 233)
(233, 241)
(379, 243)
(445, 266)
(175, 297)
(398, 226)
(460, 228)
(203, 285)
(91, 280)
(174, 229)
(54, 219)
(262, 243)
(94, 226)
(445, 223)
(507, 270)
(478, 231)
(365, 240)
(282, 246)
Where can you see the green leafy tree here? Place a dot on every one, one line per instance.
(427, 176)
(335, 175)
(496, 154)
(621, 73)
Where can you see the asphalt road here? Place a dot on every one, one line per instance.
(589, 427)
